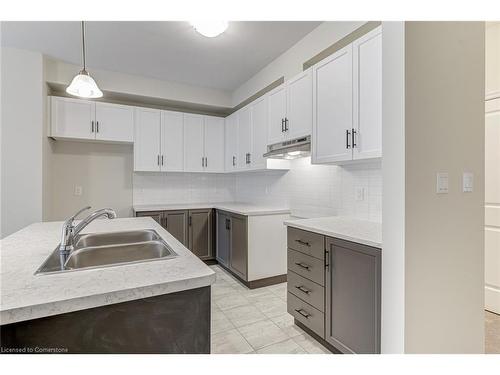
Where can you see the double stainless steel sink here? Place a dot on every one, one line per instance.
(96, 250)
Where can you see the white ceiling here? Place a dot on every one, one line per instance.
(170, 51)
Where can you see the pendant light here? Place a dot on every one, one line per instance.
(83, 85)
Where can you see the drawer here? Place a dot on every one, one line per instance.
(306, 314)
(306, 290)
(309, 243)
(306, 266)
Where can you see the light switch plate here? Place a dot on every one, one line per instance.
(442, 183)
(467, 182)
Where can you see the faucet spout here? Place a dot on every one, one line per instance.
(69, 231)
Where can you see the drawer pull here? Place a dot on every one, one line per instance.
(302, 289)
(303, 313)
(303, 243)
(305, 266)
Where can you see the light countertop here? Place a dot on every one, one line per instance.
(355, 230)
(25, 295)
(240, 208)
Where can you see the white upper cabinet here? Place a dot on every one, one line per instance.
(244, 137)
(290, 109)
(214, 144)
(259, 132)
(114, 122)
(231, 142)
(367, 106)
(194, 135)
(72, 118)
(172, 141)
(276, 114)
(298, 119)
(147, 142)
(203, 143)
(347, 102)
(89, 120)
(332, 111)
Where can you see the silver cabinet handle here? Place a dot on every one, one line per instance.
(347, 136)
(92, 122)
(158, 159)
(303, 243)
(302, 265)
(234, 160)
(206, 161)
(286, 124)
(302, 289)
(162, 160)
(282, 125)
(97, 126)
(202, 161)
(303, 312)
(354, 132)
(249, 158)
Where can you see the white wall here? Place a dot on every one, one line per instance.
(393, 195)
(21, 142)
(62, 73)
(290, 62)
(444, 233)
(309, 190)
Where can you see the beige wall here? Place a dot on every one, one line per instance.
(444, 243)
(103, 170)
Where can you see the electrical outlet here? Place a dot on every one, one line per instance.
(78, 191)
(359, 193)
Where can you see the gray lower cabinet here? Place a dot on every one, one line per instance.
(353, 285)
(176, 223)
(193, 228)
(223, 222)
(200, 233)
(334, 290)
(232, 242)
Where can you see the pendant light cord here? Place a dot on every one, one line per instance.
(83, 45)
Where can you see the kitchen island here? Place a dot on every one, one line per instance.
(160, 306)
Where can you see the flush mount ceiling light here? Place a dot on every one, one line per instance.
(83, 85)
(210, 29)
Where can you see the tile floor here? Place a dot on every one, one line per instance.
(492, 333)
(255, 320)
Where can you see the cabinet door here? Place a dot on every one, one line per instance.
(276, 114)
(244, 137)
(367, 105)
(176, 223)
(353, 297)
(147, 140)
(231, 143)
(222, 238)
(72, 118)
(193, 143)
(238, 258)
(114, 122)
(492, 49)
(332, 108)
(172, 141)
(259, 133)
(299, 106)
(214, 144)
(200, 233)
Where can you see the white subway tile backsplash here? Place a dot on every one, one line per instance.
(309, 190)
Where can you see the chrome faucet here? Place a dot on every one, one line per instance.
(69, 231)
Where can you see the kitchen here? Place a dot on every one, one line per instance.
(242, 223)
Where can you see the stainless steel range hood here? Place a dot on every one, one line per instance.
(293, 149)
